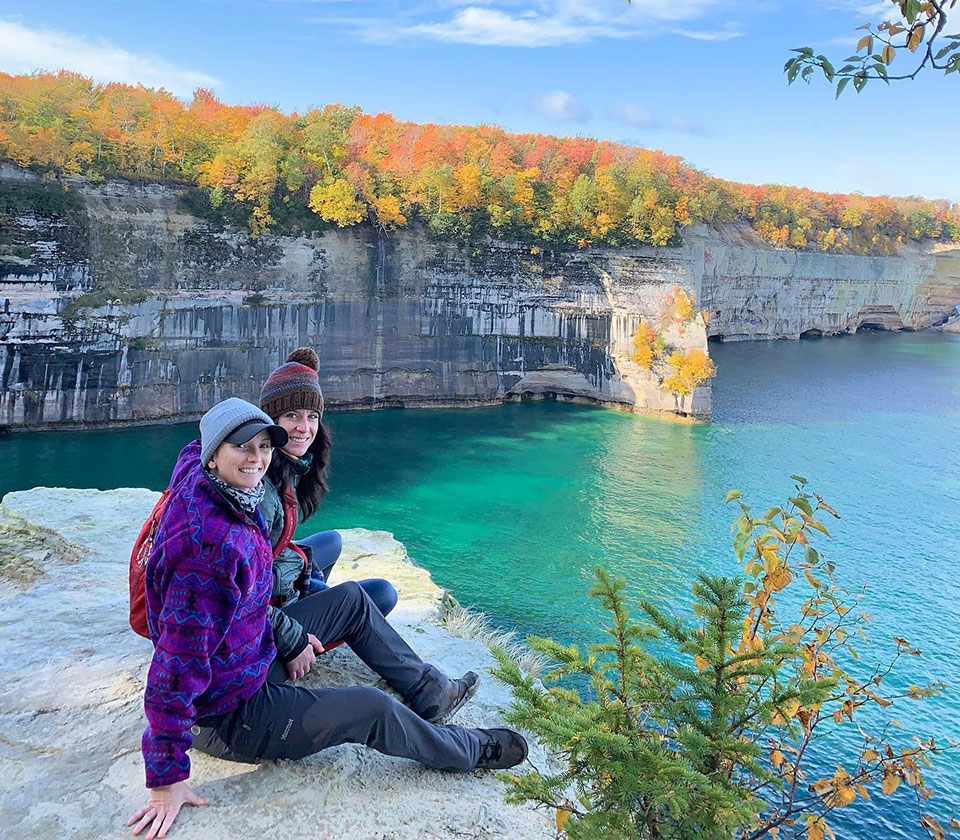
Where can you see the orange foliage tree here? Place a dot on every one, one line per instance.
(256, 164)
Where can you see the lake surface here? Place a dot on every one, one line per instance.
(512, 507)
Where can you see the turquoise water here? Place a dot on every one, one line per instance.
(511, 507)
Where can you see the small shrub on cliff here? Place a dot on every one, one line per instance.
(690, 370)
(648, 346)
(703, 728)
(681, 305)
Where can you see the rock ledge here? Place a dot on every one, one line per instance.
(71, 689)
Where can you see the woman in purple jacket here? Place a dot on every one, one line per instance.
(208, 583)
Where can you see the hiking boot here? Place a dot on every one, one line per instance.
(454, 696)
(500, 749)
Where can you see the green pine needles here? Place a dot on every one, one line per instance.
(701, 728)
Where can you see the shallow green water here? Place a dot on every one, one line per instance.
(511, 507)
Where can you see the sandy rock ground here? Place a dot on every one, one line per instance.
(71, 687)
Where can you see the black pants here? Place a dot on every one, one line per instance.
(286, 721)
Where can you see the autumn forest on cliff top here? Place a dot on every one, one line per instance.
(335, 165)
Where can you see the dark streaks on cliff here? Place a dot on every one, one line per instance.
(165, 314)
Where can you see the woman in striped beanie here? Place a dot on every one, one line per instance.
(291, 396)
(214, 682)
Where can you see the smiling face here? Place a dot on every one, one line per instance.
(242, 465)
(301, 426)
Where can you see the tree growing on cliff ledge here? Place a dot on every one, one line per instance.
(915, 37)
(715, 727)
(678, 370)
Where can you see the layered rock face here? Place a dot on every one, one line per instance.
(753, 291)
(125, 308)
(72, 677)
(118, 306)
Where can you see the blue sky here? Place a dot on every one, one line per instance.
(699, 78)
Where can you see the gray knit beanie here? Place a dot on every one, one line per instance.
(225, 417)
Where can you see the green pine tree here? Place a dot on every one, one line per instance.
(699, 728)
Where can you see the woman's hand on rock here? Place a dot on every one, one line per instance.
(162, 808)
(301, 666)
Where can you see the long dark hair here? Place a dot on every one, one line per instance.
(312, 485)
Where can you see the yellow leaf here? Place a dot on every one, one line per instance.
(931, 824)
(888, 53)
(862, 791)
(776, 758)
(865, 41)
(890, 783)
(701, 663)
(815, 582)
(870, 755)
(915, 38)
(562, 817)
(790, 707)
(843, 797)
(777, 580)
(794, 634)
(814, 828)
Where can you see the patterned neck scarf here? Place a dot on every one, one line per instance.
(246, 500)
(298, 465)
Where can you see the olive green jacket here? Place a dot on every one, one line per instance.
(289, 635)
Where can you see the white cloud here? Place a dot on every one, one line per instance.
(491, 27)
(23, 50)
(543, 23)
(726, 33)
(870, 8)
(560, 105)
(630, 114)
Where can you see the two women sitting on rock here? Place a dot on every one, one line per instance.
(229, 631)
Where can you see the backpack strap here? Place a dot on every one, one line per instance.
(290, 516)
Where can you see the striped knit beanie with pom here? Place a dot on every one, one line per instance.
(294, 385)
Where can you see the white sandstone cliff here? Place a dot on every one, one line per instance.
(71, 691)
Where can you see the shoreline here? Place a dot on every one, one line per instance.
(452, 403)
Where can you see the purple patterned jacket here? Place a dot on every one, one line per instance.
(208, 583)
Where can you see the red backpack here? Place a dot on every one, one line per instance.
(144, 545)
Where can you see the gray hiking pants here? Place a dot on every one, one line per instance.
(287, 721)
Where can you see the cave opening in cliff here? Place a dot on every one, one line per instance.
(811, 333)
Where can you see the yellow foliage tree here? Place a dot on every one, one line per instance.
(682, 305)
(645, 341)
(523, 190)
(690, 370)
(337, 202)
(468, 191)
(387, 210)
